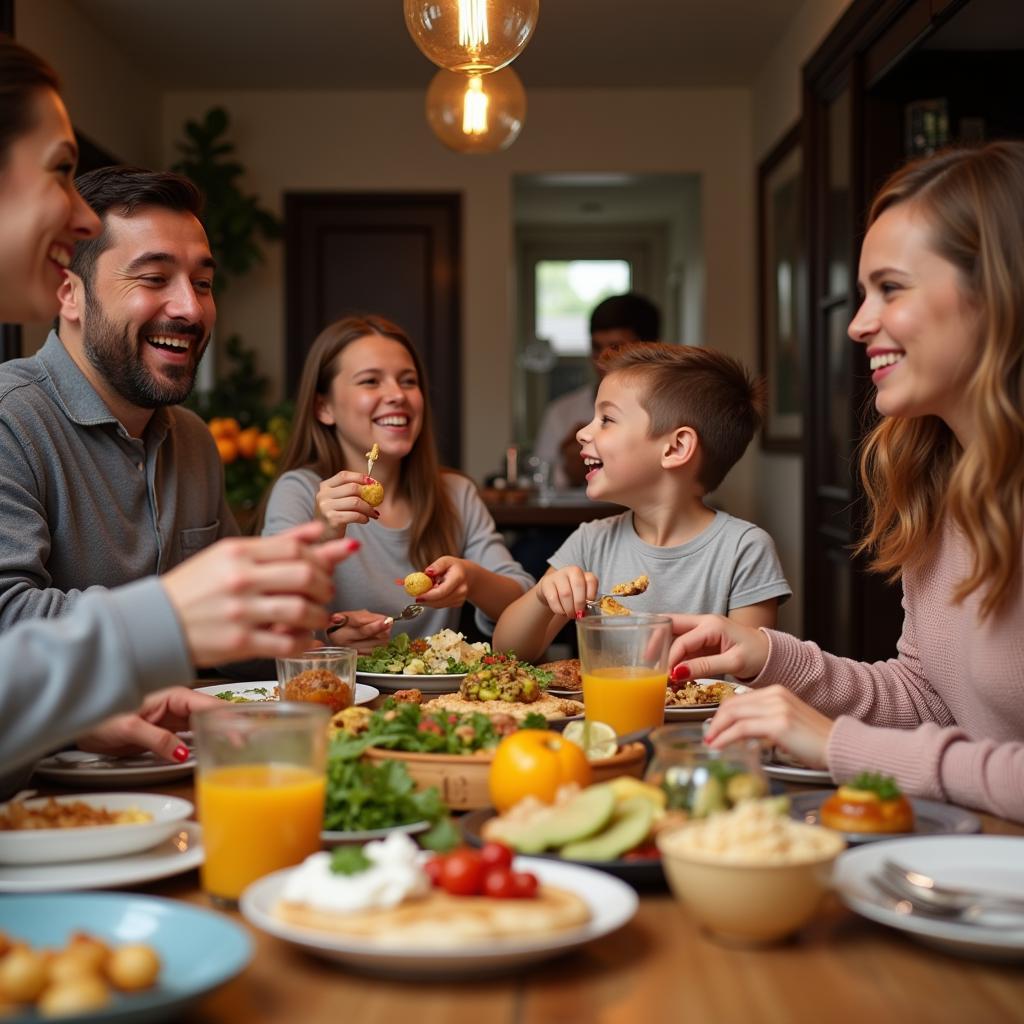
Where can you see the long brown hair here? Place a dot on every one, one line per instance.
(314, 445)
(914, 471)
(23, 74)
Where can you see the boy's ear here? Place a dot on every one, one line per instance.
(681, 448)
(71, 294)
(323, 411)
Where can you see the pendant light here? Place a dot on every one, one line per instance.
(476, 113)
(473, 37)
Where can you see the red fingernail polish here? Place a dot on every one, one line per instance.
(430, 572)
(368, 480)
(181, 753)
(579, 615)
(353, 544)
(680, 673)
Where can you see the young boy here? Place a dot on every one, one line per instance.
(669, 422)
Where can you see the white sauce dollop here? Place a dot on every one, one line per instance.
(395, 874)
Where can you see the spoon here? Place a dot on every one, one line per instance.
(922, 887)
(596, 603)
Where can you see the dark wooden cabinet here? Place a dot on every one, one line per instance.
(882, 57)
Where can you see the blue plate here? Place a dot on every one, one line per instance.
(198, 949)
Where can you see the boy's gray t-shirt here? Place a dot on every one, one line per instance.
(729, 565)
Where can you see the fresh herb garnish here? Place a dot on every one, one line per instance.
(349, 860)
(883, 786)
(441, 838)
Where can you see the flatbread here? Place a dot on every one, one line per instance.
(566, 674)
(548, 706)
(441, 921)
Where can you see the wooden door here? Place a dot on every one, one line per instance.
(396, 255)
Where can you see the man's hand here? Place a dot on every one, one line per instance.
(256, 597)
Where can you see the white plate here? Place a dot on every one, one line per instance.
(364, 693)
(995, 863)
(699, 712)
(330, 839)
(611, 902)
(57, 845)
(390, 682)
(790, 773)
(184, 850)
(80, 768)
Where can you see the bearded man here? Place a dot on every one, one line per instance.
(103, 478)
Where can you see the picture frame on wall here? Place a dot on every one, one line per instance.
(782, 278)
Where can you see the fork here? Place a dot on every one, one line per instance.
(922, 887)
(906, 904)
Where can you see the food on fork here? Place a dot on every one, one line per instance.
(609, 606)
(372, 493)
(633, 587)
(869, 803)
(416, 583)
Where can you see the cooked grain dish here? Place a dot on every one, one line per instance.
(694, 695)
(69, 814)
(548, 706)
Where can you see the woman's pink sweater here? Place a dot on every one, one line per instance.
(946, 717)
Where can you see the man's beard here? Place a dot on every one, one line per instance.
(120, 362)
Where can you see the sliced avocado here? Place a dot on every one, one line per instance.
(582, 817)
(628, 828)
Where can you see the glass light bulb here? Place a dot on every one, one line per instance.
(476, 114)
(475, 37)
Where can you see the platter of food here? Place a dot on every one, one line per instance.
(180, 852)
(431, 664)
(81, 768)
(861, 820)
(49, 830)
(136, 958)
(266, 690)
(431, 932)
(983, 863)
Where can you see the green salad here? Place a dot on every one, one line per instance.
(443, 653)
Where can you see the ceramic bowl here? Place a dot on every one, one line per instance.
(749, 904)
(462, 778)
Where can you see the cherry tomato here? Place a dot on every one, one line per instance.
(496, 855)
(499, 884)
(434, 867)
(648, 851)
(463, 873)
(524, 884)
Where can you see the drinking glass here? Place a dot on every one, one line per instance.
(624, 664)
(260, 782)
(701, 780)
(325, 676)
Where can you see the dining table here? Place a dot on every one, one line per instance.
(659, 967)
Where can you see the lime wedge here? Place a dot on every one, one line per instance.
(597, 739)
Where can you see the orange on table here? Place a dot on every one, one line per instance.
(627, 698)
(256, 819)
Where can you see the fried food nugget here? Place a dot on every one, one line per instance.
(633, 587)
(417, 583)
(372, 493)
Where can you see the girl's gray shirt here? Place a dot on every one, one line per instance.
(367, 578)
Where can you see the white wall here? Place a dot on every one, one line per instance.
(778, 478)
(380, 141)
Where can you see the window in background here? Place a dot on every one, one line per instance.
(566, 291)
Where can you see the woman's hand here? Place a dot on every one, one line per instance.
(361, 629)
(452, 582)
(775, 714)
(712, 645)
(256, 597)
(566, 591)
(153, 727)
(338, 502)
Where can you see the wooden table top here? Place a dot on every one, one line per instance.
(659, 967)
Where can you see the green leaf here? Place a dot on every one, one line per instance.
(349, 860)
(444, 836)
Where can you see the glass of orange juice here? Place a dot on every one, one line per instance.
(260, 783)
(624, 664)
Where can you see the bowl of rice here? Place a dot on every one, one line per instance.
(750, 875)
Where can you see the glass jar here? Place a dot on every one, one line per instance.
(700, 780)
